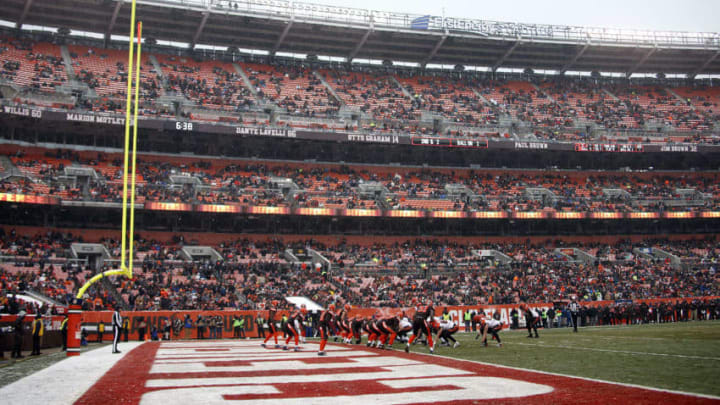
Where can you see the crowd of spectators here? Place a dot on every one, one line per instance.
(35, 66)
(389, 99)
(251, 272)
(339, 186)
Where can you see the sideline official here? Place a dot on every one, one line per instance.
(574, 311)
(117, 323)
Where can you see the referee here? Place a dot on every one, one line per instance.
(117, 323)
(574, 310)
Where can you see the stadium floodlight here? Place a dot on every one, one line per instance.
(129, 163)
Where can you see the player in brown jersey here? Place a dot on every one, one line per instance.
(421, 325)
(273, 333)
(343, 325)
(387, 327)
(292, 327)
(326, 319)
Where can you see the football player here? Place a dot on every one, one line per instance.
(531, 320)
(446, 329)
(404, 327)
(387, 327)
(421, 325)
(326, 319)
(291, 327)
(273, 333)
(493, 326)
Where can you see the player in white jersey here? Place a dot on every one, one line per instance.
(492, 326)
(404, 327)
(446, 331)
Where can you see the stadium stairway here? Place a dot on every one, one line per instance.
(481, 97)
(612, 96)
(328, 87)
(6, 167)
(67, 60)
(158, 69)
(677, 96)
(400, 86)
(42, 298)
(539, 90)
(246, 81)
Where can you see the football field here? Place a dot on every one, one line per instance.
(647, 364)
(674, 356)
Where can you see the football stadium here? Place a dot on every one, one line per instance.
(283, 202)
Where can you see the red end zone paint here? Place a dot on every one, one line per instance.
(302, 378)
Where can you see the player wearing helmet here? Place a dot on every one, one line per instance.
(273, 333)
(356, 327)
(493, 326)
(373, 332)
(421, 325)
(446, 329)
(368, 327)
(387, 327)
(531, 320)
(326, 319)
(292, 330)
(299, 323)
(342, 324)
(404, 327)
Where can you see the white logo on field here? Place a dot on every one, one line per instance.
(257, 372)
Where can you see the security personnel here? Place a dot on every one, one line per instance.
(236, 327)
(261, 326)
(544, 318)
(468, 319)
(242, 327)
(283, 321)
(515, 317)
(63, 331)
(126, 329)
(445, 315)
(574, 310)
(117, 323)
(100, 331)
(38, 329)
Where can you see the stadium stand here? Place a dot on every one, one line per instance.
(34, 65)
(369, 273)
(386, 100)
(191, 180)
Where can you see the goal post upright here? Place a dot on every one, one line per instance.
(128, 104)
(131, 233)
(127, 235)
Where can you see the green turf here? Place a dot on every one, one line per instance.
(682, 356)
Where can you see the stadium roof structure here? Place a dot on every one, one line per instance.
(351, 33)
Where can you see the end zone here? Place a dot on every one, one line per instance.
(222, 372)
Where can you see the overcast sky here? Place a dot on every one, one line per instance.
(672, 15)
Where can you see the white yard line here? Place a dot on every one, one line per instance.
(682, 356)
(65, 381)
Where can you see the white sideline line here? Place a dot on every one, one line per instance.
(692, 394)
(619, 351)
(67, 380)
